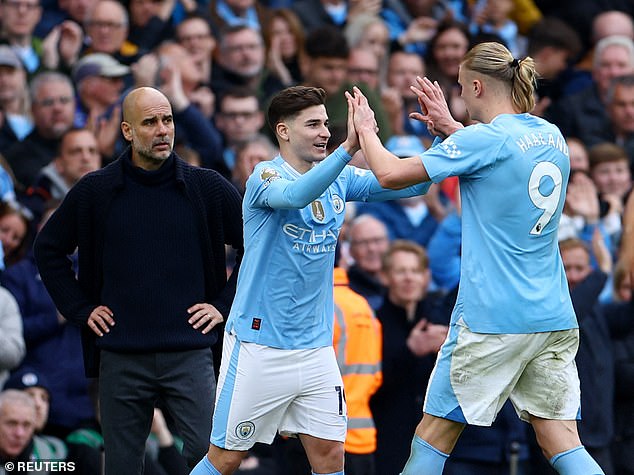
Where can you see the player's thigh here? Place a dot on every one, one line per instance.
(319, 409)
(476, 372)
(255, 386)
(549, 385)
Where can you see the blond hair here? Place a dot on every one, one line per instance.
(496, 61)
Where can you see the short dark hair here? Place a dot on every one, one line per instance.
(553, 32)
(237, 92)
(606, 152)
(327, 42)
(291, 101)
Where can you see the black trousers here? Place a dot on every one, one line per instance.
(130, 386)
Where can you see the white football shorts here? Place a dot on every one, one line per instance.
(476, 373)
(263, 390)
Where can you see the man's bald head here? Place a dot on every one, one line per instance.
(139, 96)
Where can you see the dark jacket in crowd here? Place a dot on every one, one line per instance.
(397, 406)
(29, 156)
(595, 363)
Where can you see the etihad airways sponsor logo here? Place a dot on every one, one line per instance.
(309, 235)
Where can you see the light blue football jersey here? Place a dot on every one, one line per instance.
(284, 297)
(513, 178)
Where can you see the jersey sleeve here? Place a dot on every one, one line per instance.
(267, 187)
(469, 152)
(363, 186)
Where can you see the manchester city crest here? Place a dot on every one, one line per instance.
(245, 430)
(337, 204)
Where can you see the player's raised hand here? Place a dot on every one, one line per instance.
(351, 144)
(434, 108)
(364, 119)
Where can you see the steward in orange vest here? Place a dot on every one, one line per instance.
(357, 343)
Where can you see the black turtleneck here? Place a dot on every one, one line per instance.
(153, 263)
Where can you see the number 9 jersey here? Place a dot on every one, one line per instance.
(513, 176)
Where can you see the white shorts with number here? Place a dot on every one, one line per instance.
(263, 390)
(476, 373)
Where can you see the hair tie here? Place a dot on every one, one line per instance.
(515, 63)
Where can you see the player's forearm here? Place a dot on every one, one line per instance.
(390, 171)
(310, 185)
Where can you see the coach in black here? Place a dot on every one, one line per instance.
(151, 287)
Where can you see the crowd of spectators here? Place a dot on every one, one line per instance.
(66, 66)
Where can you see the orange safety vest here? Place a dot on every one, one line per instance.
(357, 343)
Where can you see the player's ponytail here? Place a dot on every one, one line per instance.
(495, 60)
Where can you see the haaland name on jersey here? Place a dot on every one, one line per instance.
(538, 140)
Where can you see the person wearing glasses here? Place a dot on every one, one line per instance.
(239, 120)
(107, 27)
(18, 19)
(53, 110)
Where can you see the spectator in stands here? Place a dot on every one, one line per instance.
(15, 221)
(78, 154)
(368, 237)
(17, 22)
(623, 345)
(173, 55)
(446, 50)
(605, 23)
(494, 17)
(552, 44)
(107, 27)
(17, 426)
(618, 126)
(581, 215)
(194, 34)
(53, 346)
(239, 119)
(398, 99)
(229, 13)
(336, 13)
(53, 110)
(584, 114)
(414, 326)
(610, 172)
(325, 65)
(594, 358)
(369, 31)
(15, 116)
(150, 22)
(578, 153)
(99, 81)
(363, 68)
(284, 42)
(78, 10)
(248, 154)
(12, 347)
(240, 59)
